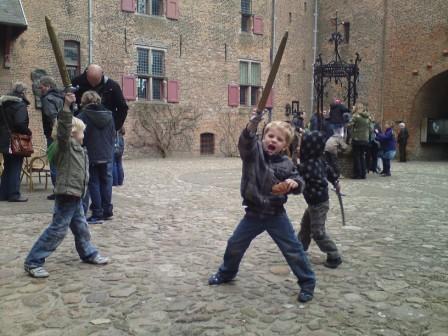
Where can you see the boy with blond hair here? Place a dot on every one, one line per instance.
(71, 163)
(268, 176)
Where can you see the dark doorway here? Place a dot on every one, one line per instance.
(207, 144)
(431, 103)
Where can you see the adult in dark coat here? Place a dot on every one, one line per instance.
(388, 147)
(402, 140)
(52, 103)
(93, 79)
(13, 119)
(99, 140)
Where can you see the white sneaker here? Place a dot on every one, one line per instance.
(98, 260)
(38, 272)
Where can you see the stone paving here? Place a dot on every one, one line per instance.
(171, 223)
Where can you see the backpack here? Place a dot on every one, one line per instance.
(52, 151)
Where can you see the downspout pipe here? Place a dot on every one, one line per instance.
(273, 35)
(316, 15)
(90, 27)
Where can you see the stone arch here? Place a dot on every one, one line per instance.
(430, 101)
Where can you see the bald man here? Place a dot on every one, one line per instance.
(110, 92)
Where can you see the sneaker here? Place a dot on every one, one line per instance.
(385, 174)
(305, 296)
(108, 217)
(20, 199)
(94, 220)
(37, 272)
(333, 263)
(51, 197)
(97, 260)
(217, 279)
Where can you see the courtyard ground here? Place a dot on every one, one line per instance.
(172, 220)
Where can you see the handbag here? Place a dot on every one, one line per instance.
(21, 144)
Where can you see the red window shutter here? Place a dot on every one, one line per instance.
(128, 5)
(173, 89)
(172, 9)
(270, 101)
(258, 25)
(234, 95)
(129, 87)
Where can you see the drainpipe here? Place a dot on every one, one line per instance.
(273, 32)
(90, 24)
(316, 13)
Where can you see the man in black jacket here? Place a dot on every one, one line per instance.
(13, 119)
(93, 79)
(402, 140)
(52, 103)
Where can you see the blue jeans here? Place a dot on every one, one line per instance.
(387, 157)
(100, 189)
(280, 229)
(118, 172)
(52, 166)
(68, 212)
(10, 181)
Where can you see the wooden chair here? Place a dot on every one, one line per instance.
(36, 166)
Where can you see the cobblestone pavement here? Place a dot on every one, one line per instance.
(171, 223)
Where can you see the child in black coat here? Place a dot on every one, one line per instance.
(315, 171)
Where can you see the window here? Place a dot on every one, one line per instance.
(150, 73)
(150, 7)
(72, 58)
(207, 144)
(250, 82)
(246, 15)
(346, 31)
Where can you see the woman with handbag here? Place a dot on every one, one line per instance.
(15, 141)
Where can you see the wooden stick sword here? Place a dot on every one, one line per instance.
(271, 78)
(58, 55)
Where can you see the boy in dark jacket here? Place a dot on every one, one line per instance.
(268, 176)
(99, 141)
(71, 184)
(315, 172)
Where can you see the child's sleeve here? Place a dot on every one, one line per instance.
(332, 174)
(64, 128)
(247, 144)
(296, 177)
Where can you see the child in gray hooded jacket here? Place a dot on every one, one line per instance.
(268, 176)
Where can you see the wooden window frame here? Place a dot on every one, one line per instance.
(247, 15)
(150, 77)
(248, 88)
(149, 5)
(78, 65)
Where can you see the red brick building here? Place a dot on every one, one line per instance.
(208, 60)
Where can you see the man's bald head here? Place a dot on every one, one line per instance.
(94, 74)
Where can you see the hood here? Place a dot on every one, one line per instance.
(364, 115)
(99, 115)
(313, 144)
(55, 92)
(6, 98)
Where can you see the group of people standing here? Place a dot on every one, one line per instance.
(102, 108)
(370, 145)
(84, 147)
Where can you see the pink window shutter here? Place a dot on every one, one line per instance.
(172, 9)
(128, 6)
(270, 101)
(258, 25)
(129, 87)
(234, 95)
(173, 91)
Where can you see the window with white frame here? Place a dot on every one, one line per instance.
(150, 7)
(250, 82)
(150, 73)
